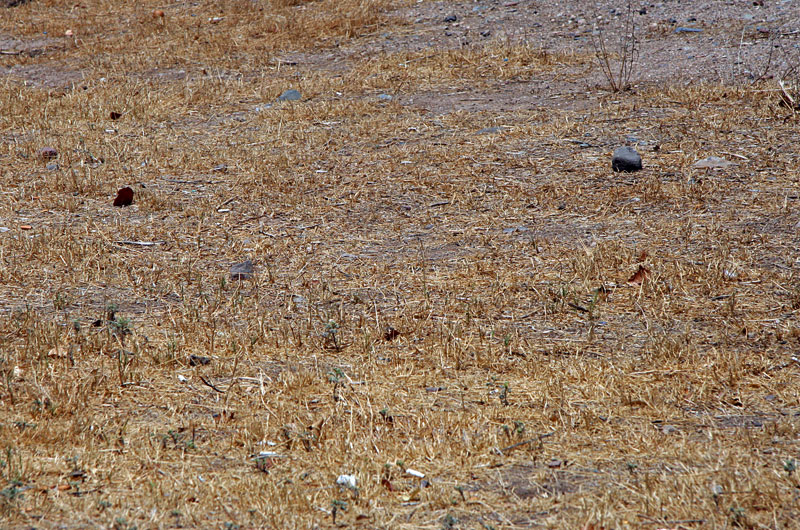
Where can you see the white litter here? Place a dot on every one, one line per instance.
(348, 481)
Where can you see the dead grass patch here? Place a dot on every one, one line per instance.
(425, 298)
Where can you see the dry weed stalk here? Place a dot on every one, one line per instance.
(619, 75)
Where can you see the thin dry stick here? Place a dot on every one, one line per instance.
(526, 442)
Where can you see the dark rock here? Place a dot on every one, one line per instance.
(13, 3)
(450, 18)
(290, 95)
(242, 271)
(198, 360)
(681, 29)
(626, 159)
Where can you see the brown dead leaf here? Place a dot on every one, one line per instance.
(124, 197)
(639, 276)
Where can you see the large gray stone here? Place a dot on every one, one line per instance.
(626, 159)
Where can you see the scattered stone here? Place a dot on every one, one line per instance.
(450, 18)
(290, 95)
(48, 153)
(626, 159)
(385, 97)
(242, 271)
(713, 162)
(681, 29)
(486, 33)
(13, 3)
(52, 166)
(198, 360)
(220, 168)
(490, 130)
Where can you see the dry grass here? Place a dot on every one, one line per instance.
(527, 378)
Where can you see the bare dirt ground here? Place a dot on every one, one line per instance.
(458, 316)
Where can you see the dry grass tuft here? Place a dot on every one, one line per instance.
(426, 299)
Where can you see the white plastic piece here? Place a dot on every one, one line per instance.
(348, 481)
(415, 473)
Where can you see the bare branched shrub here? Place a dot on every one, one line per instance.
(618, 71)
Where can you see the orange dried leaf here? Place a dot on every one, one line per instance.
(639, 276)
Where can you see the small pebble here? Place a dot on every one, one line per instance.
(681, 29)
(242, 271)
(713, 162)
(450, 18)
(290, 95)
(198, 360)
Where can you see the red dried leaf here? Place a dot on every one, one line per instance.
(387, 484)
(389, 333)
(639, 276)
(124, 197)
(115, 115)
(643, 256)
(48, 153)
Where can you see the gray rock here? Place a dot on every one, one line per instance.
(626, 159)
(681, 29)
(385, 97)
(450, 18)
(290, 95)
(490, 130)
(242, 271)
(713, 162)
